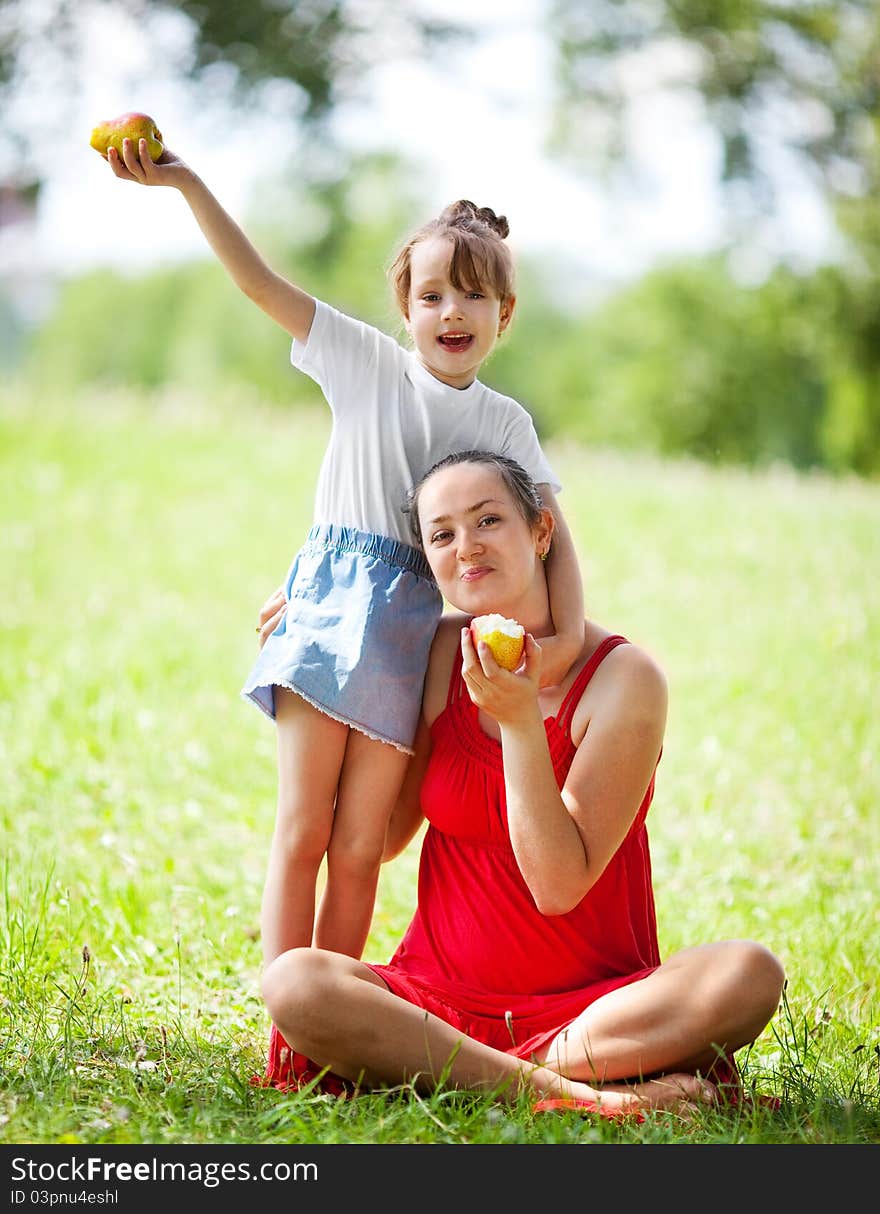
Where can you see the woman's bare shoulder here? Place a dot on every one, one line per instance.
(629, 685)
(631, 658)
(635, 678)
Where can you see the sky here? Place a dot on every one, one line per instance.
(476, 121)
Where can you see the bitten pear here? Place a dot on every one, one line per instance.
(506, 638)
(132, 125)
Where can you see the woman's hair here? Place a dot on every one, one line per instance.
(520, 485)
(480, 258)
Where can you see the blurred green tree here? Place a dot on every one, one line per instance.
(800, 76)
(687, 360)
(321, 50)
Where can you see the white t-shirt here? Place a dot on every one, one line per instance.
(392, 420)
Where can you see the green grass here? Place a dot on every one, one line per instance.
(141, 535)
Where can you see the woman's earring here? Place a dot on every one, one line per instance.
(543, 555)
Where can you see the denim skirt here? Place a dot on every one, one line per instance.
(361, 613)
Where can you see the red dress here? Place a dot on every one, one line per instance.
(478, 952)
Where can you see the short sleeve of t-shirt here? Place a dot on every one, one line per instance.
(346, 358)
(524, 447)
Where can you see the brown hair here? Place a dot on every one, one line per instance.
(519, 484)
(480, 258)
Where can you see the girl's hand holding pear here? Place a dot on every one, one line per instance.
(134, 147)
(136, 164)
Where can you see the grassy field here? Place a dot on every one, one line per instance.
(140, 537)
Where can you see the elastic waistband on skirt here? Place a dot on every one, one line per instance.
(382, 547)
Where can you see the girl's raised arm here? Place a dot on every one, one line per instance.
(289, 306)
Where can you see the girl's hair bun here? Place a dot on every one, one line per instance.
(466, 214)
(481, 259)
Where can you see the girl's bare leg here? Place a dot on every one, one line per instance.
(311, 747)
(340, 1014)
(372, 773)
(702, 1003)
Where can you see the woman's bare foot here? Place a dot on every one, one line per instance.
(679, 1092)
(672, 1092)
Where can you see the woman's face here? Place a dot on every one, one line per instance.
(481, 550)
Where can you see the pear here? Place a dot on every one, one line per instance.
(505, 637)
(132, 126)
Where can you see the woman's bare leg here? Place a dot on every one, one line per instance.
(340, 1014)
(311, 747)
(372, 773)
(702, 1003)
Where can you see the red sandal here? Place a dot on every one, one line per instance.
(731, 1092)
(562, 1104)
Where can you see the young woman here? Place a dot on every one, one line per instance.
(531, 961)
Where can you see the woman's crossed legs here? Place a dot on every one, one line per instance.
(701, 1004)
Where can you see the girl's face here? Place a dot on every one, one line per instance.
(482, 552)
(453, 329)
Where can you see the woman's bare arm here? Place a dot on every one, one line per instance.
(564, 839)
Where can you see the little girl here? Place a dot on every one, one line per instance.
(342, 673)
